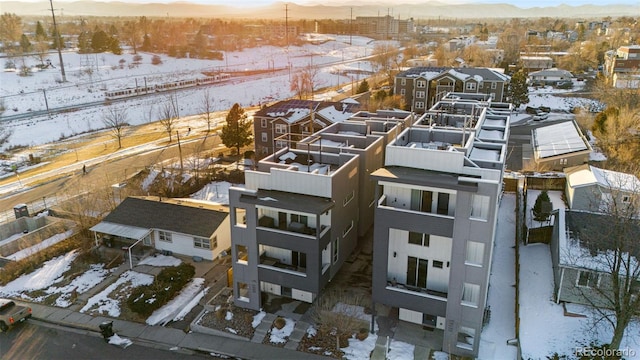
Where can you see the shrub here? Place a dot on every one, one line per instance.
(538, 212)
(279, 323)
(362, 334)
(144, 300)
(156, 60)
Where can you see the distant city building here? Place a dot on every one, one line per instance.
(386, 27)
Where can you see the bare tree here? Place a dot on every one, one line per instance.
(206, 106)
(169, 114)
(304, 82)
(385, 56)
(610, 243)
(116, 120)
(4, 133)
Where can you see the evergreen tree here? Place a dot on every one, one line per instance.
(518, 93)
(40, 33)
(363, 87)
(146, 43)
(84, 43)
(538, 213)
(57, 40)
(100, 41)
(25, 44)
(237, 131)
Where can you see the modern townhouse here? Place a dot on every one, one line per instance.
(296, 117)
(302, 210)
(422, 87)
(435, 219)
(622, 66)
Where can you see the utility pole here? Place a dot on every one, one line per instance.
(55, 27)
(180, 151)
(350, 27)
(286, 24)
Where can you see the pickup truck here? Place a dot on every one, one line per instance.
(12, 313)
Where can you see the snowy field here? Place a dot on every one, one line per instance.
(89, 76)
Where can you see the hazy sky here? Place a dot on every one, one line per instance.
(384, 3)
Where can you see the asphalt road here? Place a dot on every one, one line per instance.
(72, 182)
(35, 340)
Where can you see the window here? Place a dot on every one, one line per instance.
(201, 243)
(443, 204)
(475, 253)
(335, 250)
(164, 236)
(418, 238)
(493, 96)
(281, 128)
(420, 94)
(419, 105)
(417, 272)
(626, 199)
(470, 294)
(494, 85)
(264, 137)
(280, 144)
(347, 229)
(563, 161)
(421, 83)
(240, 216)
(402, 92)
(471, 86)
(480, 207)
(437, 264)
(403, 82)
(263, 123)
(466, 336)
(349, 197)
(241, 254)
(302, 219)
(587, 279)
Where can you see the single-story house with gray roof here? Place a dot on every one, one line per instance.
(182, 226)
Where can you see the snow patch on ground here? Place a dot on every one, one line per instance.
(47, 275)
(160, 260)
(279, 336)
(102, 303)
(179, 306)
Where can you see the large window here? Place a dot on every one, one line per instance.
(201, 243)
(471, 86)
(470, 294)
(264, 137)
(418, 238)
(480, 207)
(164, 236)
(419, 104)
(420, 94)
(281, 128)
(417, 272)
(475, 253)
(421, 83)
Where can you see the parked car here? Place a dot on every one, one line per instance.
(12, 313)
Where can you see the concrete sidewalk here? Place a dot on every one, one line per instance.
(167, 338)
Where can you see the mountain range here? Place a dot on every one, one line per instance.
(426, 10)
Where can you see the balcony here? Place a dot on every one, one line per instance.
(276, 263)
(296, 227)
(392, 285)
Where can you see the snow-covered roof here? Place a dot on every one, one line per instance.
(559, 139)
(551, 72)
(585, 175)
(573, 252)
(125, 231)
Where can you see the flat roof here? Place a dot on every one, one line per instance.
(558, 139)
(290, 201)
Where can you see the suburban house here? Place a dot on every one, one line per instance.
(549, 76)
(559, 146)
(181, 226)
(581, 257)
(622, 66)
(594, 189)
(422, 87)
(435, 218)
(296, 117)
(300, 214)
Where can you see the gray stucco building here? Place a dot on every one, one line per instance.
(435, 218)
